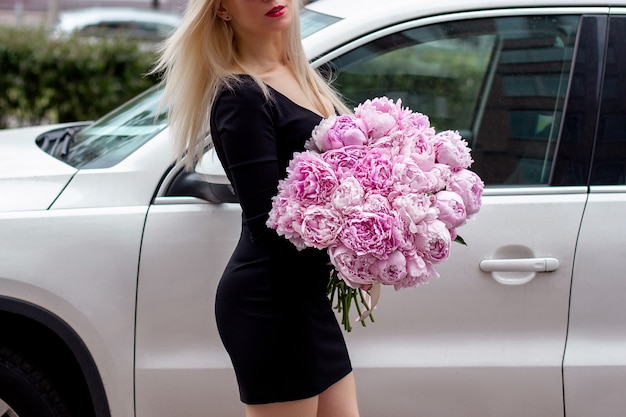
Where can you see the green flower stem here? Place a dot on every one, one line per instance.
(345, 297)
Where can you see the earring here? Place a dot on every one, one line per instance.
(227, 18)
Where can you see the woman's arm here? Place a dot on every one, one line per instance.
(245, 139)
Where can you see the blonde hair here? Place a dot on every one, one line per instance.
(197, 60)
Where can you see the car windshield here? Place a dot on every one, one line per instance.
(118, 134)
(311, 22)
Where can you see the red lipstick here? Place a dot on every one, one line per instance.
(276, 11)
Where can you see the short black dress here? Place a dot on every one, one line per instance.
(272, 311)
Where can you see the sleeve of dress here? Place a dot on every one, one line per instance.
(245, 133)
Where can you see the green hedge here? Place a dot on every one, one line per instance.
(49, 81)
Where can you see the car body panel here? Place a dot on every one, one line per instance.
(509, 340)
(43, 253)
(595, 361)
(186, 246)
(24, 166)
(140, 173)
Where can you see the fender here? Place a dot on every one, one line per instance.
(71, 339)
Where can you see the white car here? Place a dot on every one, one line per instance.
(139, 24)
(110, 253)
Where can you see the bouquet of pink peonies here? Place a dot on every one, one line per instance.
(383, 193)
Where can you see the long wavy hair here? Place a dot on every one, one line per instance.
(196, 61)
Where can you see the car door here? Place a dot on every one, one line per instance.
(594, 366)
(475, 342)
(181, 366)
(486, 338)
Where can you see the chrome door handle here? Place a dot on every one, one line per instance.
(519, 265)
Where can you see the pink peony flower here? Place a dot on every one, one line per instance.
(390, 271)
(310, 179)
(374, 171)
(320, 226)
(377, 203)
(286, 217)
(439, 177)
(470, 187)
(413, 208)
(338, 131)
(451, 209)
(417, 147)
(343, 160)
(417, 124)
(434, 244)
(452, 150)
(352, 268)
(418, 272)
(407, 176)
(380, 115)
(418, 135)
(347, 195)
(368, 233)
(386, 141)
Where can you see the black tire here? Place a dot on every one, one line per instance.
(26, 390)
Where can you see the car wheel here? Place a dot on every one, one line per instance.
(25, 391)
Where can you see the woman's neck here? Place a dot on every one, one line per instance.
(262, 56)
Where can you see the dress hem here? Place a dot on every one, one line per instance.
(314, 393)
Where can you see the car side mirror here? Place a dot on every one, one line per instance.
(208, 182)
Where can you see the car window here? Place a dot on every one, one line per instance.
(151, 31)
(135, 29)
(609, 164)
(500, 81)
(311, 22)
(117, 135)
(106, 29)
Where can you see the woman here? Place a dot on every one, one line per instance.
(241, 63)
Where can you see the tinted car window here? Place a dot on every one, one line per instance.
(501, 82)
(609, 165)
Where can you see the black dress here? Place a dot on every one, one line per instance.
(271, 307)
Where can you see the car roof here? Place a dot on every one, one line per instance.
(351, 8)
(77, 18)
(359, 17)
